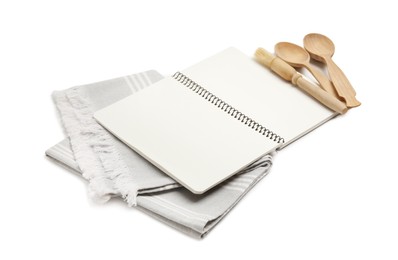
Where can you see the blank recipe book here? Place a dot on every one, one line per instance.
(211, 120)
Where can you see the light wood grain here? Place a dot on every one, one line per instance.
(297, 56)
(321, 48)
(287, 72)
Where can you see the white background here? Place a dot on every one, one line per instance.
(331, 195)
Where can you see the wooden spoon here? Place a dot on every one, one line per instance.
(287, 72)
(297, 56)
(321, 48)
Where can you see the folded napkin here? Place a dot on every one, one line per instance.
(113, 169)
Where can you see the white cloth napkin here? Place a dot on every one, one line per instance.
(113, 169)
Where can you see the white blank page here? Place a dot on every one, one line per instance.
(184, 135)
(259, 93)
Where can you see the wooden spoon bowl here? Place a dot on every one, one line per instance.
(297, 56)
(292, 54)
(318, 46)
(321, 48)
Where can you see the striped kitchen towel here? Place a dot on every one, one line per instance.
(113, 169)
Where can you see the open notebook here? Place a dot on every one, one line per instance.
(209, 121)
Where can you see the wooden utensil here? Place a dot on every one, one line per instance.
(297, 56)
(289, 73)
(321, 48)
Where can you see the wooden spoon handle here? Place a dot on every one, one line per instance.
(341, 83)
(287, 72)
(324, 82)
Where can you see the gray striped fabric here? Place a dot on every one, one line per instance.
(113, 169)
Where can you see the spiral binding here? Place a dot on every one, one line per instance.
(224, 106)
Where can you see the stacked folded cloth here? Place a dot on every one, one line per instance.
(113, 169)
